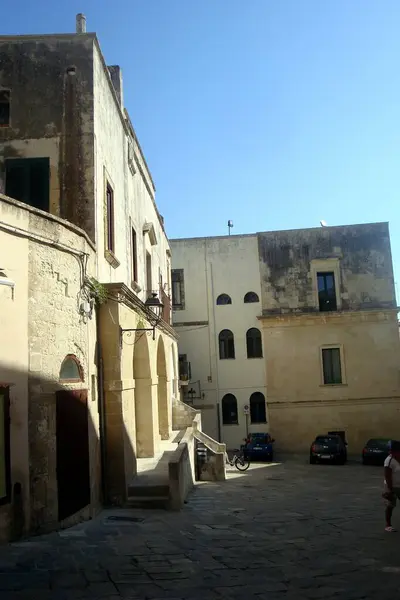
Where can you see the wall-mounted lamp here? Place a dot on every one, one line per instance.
(86, 308)
(154, 315)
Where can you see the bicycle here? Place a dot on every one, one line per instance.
(238, 460)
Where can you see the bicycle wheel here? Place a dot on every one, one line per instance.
(241, 463)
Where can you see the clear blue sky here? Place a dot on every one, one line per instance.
(272, 113)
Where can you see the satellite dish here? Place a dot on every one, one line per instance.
(323, 223)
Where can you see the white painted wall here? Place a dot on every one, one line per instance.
(213, 266)
(134, 205)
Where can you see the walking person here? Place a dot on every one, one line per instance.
(392, 483)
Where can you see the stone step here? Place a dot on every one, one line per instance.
(148, 502)
(136, 490)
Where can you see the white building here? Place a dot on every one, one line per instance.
(216, 301)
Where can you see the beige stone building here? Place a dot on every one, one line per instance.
(330, 345)
(330, 326)
(79, 229)
(49, 421)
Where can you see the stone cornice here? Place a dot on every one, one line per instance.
(329, 318)
(349, 402)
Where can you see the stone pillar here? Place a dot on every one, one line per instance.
(163, 412)
(146, 417)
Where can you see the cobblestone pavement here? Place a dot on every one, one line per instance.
(288, 532)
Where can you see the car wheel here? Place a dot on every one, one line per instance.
(313, 460)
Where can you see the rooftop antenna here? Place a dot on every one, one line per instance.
(230, 225)
(323, 223)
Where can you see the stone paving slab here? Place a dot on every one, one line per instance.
(287, 531)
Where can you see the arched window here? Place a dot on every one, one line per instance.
(226, 344)
(254, 344)
(257, 408)
(224, 299)
(229, 410)
(251, 297)
(71, 370)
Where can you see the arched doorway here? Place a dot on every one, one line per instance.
(162, 391)
(72, 441)
(144, 412)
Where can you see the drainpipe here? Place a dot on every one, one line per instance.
(208, 307)
(216, 353)
(219, 422)
(101, 409)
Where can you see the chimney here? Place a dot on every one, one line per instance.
(80, 23)
(116, 78)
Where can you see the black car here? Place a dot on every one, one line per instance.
(375, 451)
(328, 448)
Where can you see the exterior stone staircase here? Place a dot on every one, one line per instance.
(150, 487)
(165, 480)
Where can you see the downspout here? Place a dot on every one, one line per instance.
(208, 307)
(101, 409)
(216, 353)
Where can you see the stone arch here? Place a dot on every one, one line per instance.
(224, 299)
(144, 403)
(71, 370)
(162, 391)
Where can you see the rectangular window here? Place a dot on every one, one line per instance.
(331, 366)
(28, 180)
(178, 289)
(110, 218)
(4, 108)
(149, 277)
(185, 370)
(326, 292)
(5, 461)
(134, 257)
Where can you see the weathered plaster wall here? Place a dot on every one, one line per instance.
(52, 116)
(44, 325)
(364, 258)
(300, 405)
(14, 359)
(134, 193)
(366, 404)
(213, 266)
(55, 282)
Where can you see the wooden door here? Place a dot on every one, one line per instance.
(73, 476)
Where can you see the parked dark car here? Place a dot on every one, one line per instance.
(328, 448)
(259, 446)
(375, 451)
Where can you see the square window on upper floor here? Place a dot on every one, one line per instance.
(5, 108)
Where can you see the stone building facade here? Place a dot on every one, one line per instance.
(330, 325)
(46, 263)
(328, 316)
(217, 302)
(68, 149)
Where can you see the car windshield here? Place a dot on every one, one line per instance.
(259, 438)
(327, 440)
(378, 443)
